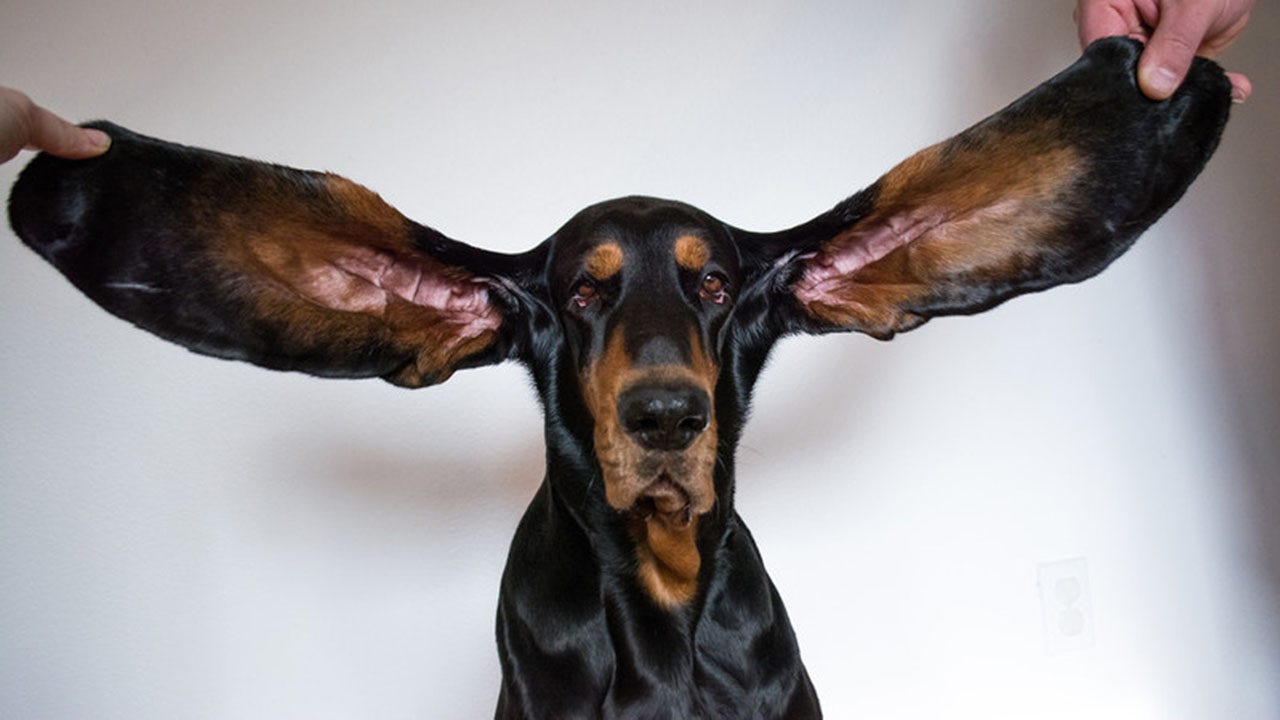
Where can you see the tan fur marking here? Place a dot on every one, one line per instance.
(667, 561)
(601, 385)
(692, 252)
(604, 261)
(359, 204)
(706, 370)
(977, 170)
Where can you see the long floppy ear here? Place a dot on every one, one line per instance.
(1048, 191)
(284, 268)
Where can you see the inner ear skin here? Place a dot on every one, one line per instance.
(954, 223)
(445, 311)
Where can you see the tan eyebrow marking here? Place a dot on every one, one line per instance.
(691, 252)
(605, 261)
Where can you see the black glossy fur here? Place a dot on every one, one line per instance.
(144, 232)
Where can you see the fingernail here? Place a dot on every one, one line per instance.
(97, 140)
(1237, 95)
(1161, 81)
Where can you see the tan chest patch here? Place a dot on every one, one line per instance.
(667, 559)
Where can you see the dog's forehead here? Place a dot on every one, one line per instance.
(605, 236)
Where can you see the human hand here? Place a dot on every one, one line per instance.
(1175, 31)
(23, 124)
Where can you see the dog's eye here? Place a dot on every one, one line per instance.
(585, 293)
(715, 288)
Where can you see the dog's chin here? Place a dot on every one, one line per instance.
(667, 498)
(666, 501)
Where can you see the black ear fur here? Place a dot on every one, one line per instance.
(284, 268)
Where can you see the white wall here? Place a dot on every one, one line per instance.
(184, 537)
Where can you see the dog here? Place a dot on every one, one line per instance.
(632, 588)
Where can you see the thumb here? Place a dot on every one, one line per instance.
(1168, 55)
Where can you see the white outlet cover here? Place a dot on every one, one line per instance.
(1066, 604)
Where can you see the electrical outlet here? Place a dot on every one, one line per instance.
(1066, 605)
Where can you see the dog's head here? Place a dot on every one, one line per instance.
(644, 290)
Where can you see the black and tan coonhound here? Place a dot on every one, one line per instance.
(633, 588)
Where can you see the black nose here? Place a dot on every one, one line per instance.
(664, 417)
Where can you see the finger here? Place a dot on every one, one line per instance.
(1241, 88)
(1173, 45)
(59, 137)
(15, 109)
(1096, 20)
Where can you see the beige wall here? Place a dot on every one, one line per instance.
(183, 537)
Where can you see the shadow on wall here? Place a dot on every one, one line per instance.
(465, 483)
(1240, 261)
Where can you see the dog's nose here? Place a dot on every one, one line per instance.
(664, 417)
